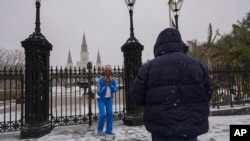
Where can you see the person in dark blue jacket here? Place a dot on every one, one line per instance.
(175, 90)
(106, 88)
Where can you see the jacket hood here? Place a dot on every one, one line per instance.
(169, 40)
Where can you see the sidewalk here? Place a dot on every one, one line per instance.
(86, 133)
(218, 131)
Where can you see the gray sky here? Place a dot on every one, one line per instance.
(106, 24)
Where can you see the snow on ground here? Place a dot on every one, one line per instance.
(219, 131)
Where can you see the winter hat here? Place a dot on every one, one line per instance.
(169, 40)
(108, 67)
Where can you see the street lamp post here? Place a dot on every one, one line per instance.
(132, 52)
(36, 121)
(175, 6)
(130, 4)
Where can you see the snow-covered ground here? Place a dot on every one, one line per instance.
(219, 131)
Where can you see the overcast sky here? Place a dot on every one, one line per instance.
(106, 24)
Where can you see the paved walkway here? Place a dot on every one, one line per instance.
(86, 133)
(218, 131)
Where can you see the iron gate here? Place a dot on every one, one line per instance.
(71, 102)
(11, 99)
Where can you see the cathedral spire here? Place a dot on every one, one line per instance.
(69, 58)
(98, 61)
(84, 54)
(69, 61)
(84, 44)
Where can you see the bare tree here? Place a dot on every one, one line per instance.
(11, 58)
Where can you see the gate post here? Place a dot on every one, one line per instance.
(132, 61)
(132, 52)
(37, 52)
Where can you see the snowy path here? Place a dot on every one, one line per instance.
(219, 131)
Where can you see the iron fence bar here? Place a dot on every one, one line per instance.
(16, 89)
(70, 90)
(76, 120)
(79, 93)
(10, 93)
(51, 96)
(60, 74)
(4, 98)
(229, 81)
(89, 67)
(220, 83)
(243, 86)
(22, 97)
(65, 97)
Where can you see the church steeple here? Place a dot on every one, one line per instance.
(98, 58)
(84, 44)
(69, 61)
(69, 58)
(84, 54)
(98, 61)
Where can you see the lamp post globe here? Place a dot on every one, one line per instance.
(130, 3)
(175, 6)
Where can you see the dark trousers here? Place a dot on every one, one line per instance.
(165, 138)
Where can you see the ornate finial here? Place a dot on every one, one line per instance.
(38, 29)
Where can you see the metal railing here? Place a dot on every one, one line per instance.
(11, 99)
(73, 103)
(72, 98)
(231, 86)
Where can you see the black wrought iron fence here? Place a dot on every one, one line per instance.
(11, 99)
(231, 86)
(73, 94)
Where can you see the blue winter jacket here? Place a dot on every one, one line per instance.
(102, 88)
(175, 90)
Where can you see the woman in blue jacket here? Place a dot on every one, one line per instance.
(106, 89)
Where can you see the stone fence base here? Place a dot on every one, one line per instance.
(241, 111)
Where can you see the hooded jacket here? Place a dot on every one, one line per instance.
(174, 88)
(102, 87)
